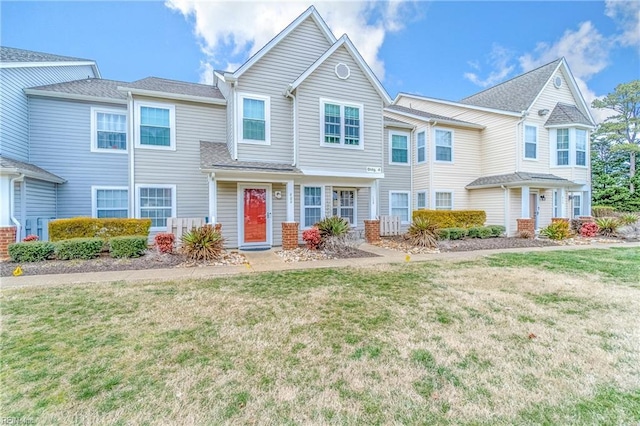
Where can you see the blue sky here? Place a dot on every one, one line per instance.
(440, 49)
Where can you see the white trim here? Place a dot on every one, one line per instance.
(335, 69)
(393, 133)
(435, 121)
(408, 205)
(94, 129)
(458, 104)
(94, 197)
(240, 212)
(426, 152)
(524, 142)
(572, 125)
(302, 205)
(342, 105)
(240, 117)
(62, 95)
(172, 125)
(174, 195)
(355, 202)
(426, 199)
(435, 146)
(336, 173)
(175, 96)
(213, 199)
(443, 191)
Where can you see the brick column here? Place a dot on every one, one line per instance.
(289, 235)
(7, 236)
(528, 225)
(372, 230)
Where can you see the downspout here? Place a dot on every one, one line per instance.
(506, 209)
(132, 176)
(431, 152)
(12, 203)
(288, 94)
(519, 148)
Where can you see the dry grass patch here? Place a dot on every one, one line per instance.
(414, 343)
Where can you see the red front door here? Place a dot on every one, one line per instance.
(255, 215)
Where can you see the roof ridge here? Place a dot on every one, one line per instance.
(171, 80)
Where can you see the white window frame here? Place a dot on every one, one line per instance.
(423, 147)
(426, 199)
(524, 142)
(342, 105)
(575, 148)
(435, 199)
(408, 193)
(94, 129)
(174, 195)
(355, 203)
(240, 118)
(435, 145)
(393, 133)
(172, 123)
(573, 204)
(303, 205)
(556, 150)
(94, 198)
(556, 203)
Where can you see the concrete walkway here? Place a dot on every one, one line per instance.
(265, 261)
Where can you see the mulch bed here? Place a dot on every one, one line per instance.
(493, 243)
(302, 254)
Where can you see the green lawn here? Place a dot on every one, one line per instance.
(539, 338)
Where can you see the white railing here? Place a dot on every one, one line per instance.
(389, 225)
(179, 226)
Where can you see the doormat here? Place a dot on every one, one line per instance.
(255, 249)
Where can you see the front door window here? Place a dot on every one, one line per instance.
(255, 215)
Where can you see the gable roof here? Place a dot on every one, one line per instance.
(545, 180)
(312, 13)
(516, 94)
(432, 118)
(564, 114)
(351, 49)
(80, 89)
(11, 57)
(162, 87)
(28, 169)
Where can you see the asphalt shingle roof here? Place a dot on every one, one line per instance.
(30, 169)
(517, 94)
(424, 114)
(566, 114)
(178, 87)
(11, 54)
(519, 177)
(391, 121)
(215, 155)
(88, 87)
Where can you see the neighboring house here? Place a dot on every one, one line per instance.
(518, 150)
(26, 188)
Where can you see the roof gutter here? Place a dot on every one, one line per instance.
(168, 95)
(62, 95)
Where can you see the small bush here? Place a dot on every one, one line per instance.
(30, 238)
(589, 229)
(602, 211)
(557, 231)
(422, 233)
(203, 243)
(497, 230)
(343, 245)
(78, 248)
(88, 227)
(453, 218)
(526, 235)
(628, 219)
(33, 251)
(311, 238)
(480, 232)
(133, 246)
(333, 226)
(164, 242)
(452, 233)
(607, 225)
(575, 225)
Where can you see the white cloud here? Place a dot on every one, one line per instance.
(230, 32)
(500, 61)
(627, 15)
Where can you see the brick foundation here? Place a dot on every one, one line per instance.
(289, 235)
(7, 236)
(372, 230)
(528, 225)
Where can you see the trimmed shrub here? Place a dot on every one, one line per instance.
(628, 218)
(131, 246)
(453, 218)
(88, 227)
(497, 230)
(607, 225)
(30, 238)
(311, 238)
(602, 211)
(452, 233)
(557, 231)
(422, 233)
(78, 248)
(589, 229)
(33, 251)
(480, 232)
(333, 226)
(204, 243)
(526, 235)
(164, 242)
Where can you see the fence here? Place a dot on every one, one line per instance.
(181, 225)
(389, 225)
(38, 226)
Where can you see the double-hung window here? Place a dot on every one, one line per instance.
(311, 205)
(341, 124)
(421, 146)
(108, 130)
(562, 147)
(399, 147)
(344, 204)
(530, 142)
(421, 200)
(581, 147)
(254, 118)
(399, 205)
(110, 202)
(155, 126)
(444, 201)
(444, 145)
(156, 202)
(576, 202)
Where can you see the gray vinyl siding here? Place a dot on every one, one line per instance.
(323, 83)
(40, 198)
(279, 212)
(227, 92)
(194, 122)
(227, 204)
(61, 143)
(270, 77)
(397, 177)
(14, 114)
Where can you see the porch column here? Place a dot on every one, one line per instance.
(563, 202)
(525, 212)
(213, 199)
(290, 202)
(5, 200)
(586, 210)
(373, 200)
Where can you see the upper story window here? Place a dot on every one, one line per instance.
(421, 146)
(562, 147)
(570, 147)
(399, 148)
(341, 124)
(530, 142)
(110, 202)
(108, 130)
(155, 126)
(581, 147)
(254, 119)
(444, 145)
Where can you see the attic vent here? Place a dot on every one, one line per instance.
(557, 82)
(342, 71)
